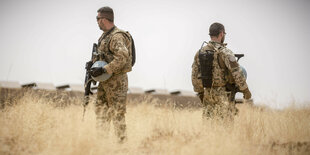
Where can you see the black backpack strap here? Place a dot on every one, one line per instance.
(133, 52)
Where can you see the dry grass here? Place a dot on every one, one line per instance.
(36, 126)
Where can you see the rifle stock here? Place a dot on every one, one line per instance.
(239, 56)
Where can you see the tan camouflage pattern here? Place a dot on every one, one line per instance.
(197, 83)
(111, 105)
(119, 56)
(216, 104)
(112, 93)
(232, 65)
(216, 101)
(220, 75)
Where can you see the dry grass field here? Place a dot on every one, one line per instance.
(38, 125)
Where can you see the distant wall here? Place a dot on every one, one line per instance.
(60, 98)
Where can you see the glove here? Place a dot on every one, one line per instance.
(88, 65)
(246, 94)
(96, 71)
(200, 95)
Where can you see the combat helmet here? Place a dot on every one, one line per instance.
(244, 72)
(104, 76)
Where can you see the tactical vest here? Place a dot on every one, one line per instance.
(212, 67)
(106, 54)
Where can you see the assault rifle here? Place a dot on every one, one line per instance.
(88, 78)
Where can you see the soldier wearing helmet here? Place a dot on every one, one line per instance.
(213, 68)
(114, 48)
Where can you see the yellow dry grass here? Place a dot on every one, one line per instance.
(35, 126)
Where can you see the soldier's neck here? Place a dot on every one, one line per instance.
(215, 39)
(109, 28)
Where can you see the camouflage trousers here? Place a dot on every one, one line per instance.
(216, 104)
(111, 105)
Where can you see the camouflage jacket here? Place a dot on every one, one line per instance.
(114, 47)
(224, 65)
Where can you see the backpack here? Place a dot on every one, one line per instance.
(133, 48)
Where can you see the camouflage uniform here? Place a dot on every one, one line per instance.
(113, 47)
(216, 101)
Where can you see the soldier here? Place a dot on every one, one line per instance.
(213, 68)
(114, 47)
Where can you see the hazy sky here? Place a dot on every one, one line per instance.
(50, 41)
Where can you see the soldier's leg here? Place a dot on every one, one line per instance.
(103, 112)
(208, 106)
(116, 95)
(225, 109)
(208, 111)
(213, 102)
(119, 121)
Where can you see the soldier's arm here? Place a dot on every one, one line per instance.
(197, 83)
(120, 52)
(233, 67)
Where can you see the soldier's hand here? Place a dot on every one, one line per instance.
(246, 94)
(96, 71)
(88, 65)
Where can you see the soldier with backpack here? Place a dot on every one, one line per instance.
(116, 49)
(214, 68)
